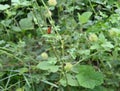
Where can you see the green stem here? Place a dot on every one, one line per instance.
(62, 46)
(55, 52)
(8, 81)
(62, 42)
(36, 16)
(50, 18)
(63, 61)
(86, 58)
(92, 7)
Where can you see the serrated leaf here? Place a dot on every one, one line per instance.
(84, 17)
(88, 78)
(26, 24)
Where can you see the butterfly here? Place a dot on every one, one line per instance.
(49, 30)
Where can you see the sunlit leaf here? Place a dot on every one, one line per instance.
(3, 7)
(84, 17)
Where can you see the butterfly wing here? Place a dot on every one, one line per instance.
(49, 30)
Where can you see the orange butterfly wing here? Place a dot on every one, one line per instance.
(49, 30)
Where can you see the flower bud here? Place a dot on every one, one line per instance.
(20, 89)
(93, 37)
(68, 66)
(44, 56)
(48, 13)
(114, 32)
(52, 2)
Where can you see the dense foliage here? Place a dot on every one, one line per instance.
(80, 52)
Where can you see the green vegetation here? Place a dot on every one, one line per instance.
(79, 53)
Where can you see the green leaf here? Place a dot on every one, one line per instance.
(88, 78)
(20, 89)
(45, 65)
(52, 60)
(2, 42)
(84, 52)
(107, 45)
(1, 74)
(95, 46)
(70, 21)
(1, 66)
(69, 80)
(52, 36)
(103, 15)
(16, 29)
(102, 37)
(98, 88)
(98, 1)
(63, 82)
(72, 52)
(72, 80)
(23, 70)
(84, 17)
(26, 24)
(3, 7)
(75, 68)
(15, 2)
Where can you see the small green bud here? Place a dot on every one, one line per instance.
(93, 37)
(114, 32)
(52, 2)
(44, 56)
(68, 66)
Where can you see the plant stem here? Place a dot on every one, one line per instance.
(92, 7)
(86, 58)
(50, 18)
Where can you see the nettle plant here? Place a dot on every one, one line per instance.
(80, 53)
